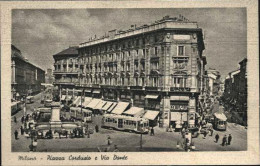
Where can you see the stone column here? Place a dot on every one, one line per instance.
(55, 115)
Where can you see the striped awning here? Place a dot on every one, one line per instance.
(86, 101)
(107, 105)
(120, 108)
(151, 115)
(93, 103)
(112, 107)
(134, 111)
(77, 100)
(100, 105)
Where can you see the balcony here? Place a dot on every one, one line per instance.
(137, 88)
(66, 72)
(179, 89)
(153, 88)
(67, 82)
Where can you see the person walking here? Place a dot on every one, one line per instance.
(217, 137)
(109, 142)
(22, 119)
(16, 134)
(97, 129)
(22, 130)
(229, 139)
(224, 140)
(152, 131)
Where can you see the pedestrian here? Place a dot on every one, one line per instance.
(16, 134)
(15, 121)
(109, 142)
(152, 131)
(22, 119)
(229, 139)
(96, 127)
(217, 137)
(22, 130)
(224, 140)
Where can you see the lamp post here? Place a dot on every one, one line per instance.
(141, 137)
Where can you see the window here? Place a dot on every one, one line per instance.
(136, 81)
(123, 81)
(115, 81)
(142, 66)
(180, 50)
(128, 67)
(155, 51)
(144, 52)
(142, 81)
(136, 66)
(128, 81)
(155, 81)
(129, 53)
(179, 82)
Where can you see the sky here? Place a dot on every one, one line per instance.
(41, 33)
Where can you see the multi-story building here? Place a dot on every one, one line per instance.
(235, 91)
(159, 67)
(26, 77)
(66, 70)
(49, 79)
(214, 81)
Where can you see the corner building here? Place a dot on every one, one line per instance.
(158, 67)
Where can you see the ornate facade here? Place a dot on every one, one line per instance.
(159, 67)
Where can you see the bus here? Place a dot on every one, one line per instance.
(125, 123)
(220, 121)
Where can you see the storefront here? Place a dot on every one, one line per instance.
(179, 106)
(153, 102)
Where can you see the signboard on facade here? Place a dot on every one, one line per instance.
(181, 37)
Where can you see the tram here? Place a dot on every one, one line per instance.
(82, 114)
(220, 121)
(125, 123)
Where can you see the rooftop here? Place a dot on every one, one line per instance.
(69, 51)
(166, 22)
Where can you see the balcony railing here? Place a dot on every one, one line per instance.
(153, 88)
(179, 89)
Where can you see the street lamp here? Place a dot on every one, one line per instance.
(141, 138)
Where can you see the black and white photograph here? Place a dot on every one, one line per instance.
(109, 81)
(129, 80)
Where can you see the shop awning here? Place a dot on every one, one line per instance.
(120, 108)
(111, 107)
(180, 98)
(179, 116)
(86, 101)
(107, 105)
(77, 100)
(134, 111)
(151, 115)
(75, 109)
(100, 105)
(96, 91)
(68, 97)
(63, 97)
(151, 96)
(93, 103)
